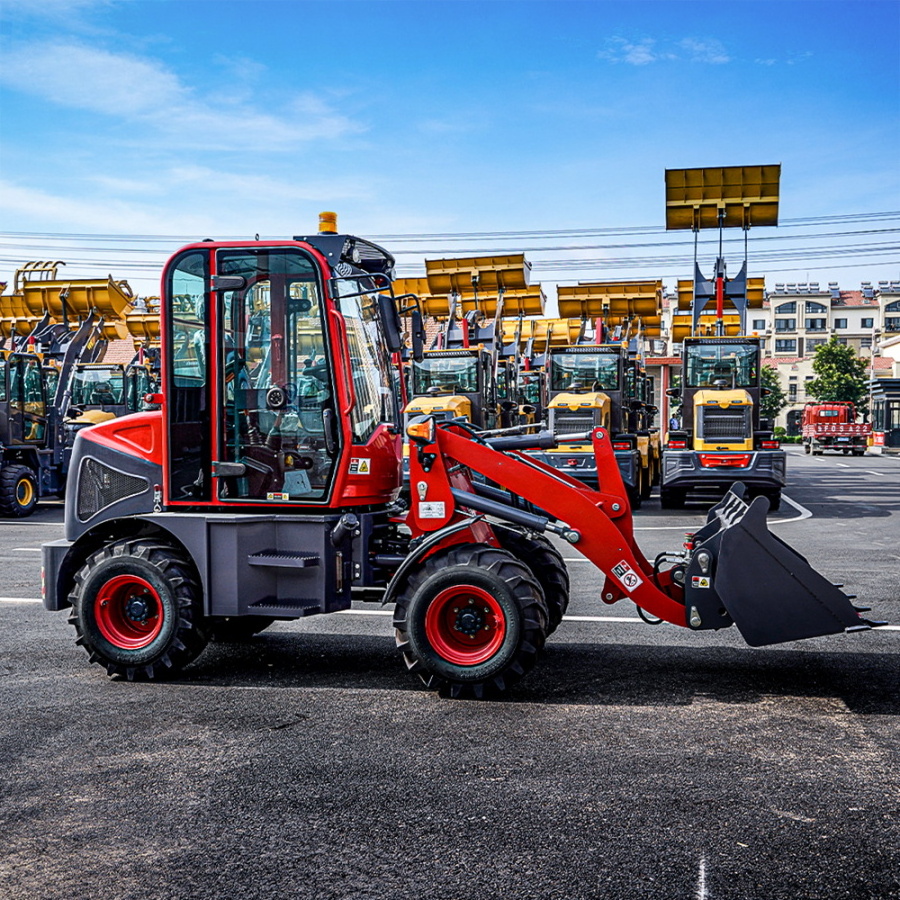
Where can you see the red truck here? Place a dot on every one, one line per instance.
(833, 426)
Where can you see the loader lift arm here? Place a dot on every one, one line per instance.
(600, 523)
(738, 573)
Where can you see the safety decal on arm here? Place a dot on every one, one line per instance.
(629, 578)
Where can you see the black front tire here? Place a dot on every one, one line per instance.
(470, 621)
(18, 491)
(137, 609)
(547, 566)
(672, 498)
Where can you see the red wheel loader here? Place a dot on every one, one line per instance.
(264, 488)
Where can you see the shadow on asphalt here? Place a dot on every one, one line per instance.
(589, 674)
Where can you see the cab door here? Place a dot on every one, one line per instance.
(28, 405)
(276, 434)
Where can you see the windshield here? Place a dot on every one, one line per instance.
(97, 386)
(718, 365)
(584, 372)
(370, 359)
(445, 375)
(531, 388)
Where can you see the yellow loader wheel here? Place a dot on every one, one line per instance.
(18, 491)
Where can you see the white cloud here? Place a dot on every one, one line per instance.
(638, 53)
(143, 91)
(708, 50)
(647, 50)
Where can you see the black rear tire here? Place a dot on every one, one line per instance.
(137, 609)
(547, 566)
(646, 483)
(18, 491)
(470, 621)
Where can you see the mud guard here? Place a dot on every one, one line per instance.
(755, 580)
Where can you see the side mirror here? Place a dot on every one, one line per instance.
(765, 391)
(390, 321)
(417, 329)
(673, 392)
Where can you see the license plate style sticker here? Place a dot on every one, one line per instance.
(432, 510)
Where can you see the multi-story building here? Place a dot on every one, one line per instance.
(798, 317)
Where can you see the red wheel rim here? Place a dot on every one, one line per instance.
(128, 612)
(465, 625)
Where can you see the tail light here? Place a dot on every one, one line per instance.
(678, 445)
(769, 445)
(621, 445)
(724, 461)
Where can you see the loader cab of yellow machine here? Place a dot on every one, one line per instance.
(721, 392)
(23, 399)
(454, 383)
(582, 381)
(275, 368)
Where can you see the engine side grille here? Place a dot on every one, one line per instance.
(567, 422)
(100, 486)
(717, 424)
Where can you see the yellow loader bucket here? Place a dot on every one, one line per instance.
(110, 298)
(599, 299)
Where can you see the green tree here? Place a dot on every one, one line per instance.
(775, 401)
(840, 375)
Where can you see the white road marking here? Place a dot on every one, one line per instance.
(804, 512)
(842, 465)
(28, 549)
(19, 600)
(870, 472)
(701, 881)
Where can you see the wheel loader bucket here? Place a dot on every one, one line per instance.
(760, 583)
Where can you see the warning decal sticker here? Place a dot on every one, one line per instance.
(629, 578)
(700, 581)
(360, 467)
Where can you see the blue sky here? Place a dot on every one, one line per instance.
(136, 125)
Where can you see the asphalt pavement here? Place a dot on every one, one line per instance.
(635, 761)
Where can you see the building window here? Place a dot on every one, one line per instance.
(816, 324)
(842, 341)
(865, 343)
(892, 323)
(867, 323)
(785, 346)
(759, 324)
(786, 308)
(814, 308)
(785, 324)
(812, 343)
(792, 393)
(840, 323)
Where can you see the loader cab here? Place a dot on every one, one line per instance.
(23, 400)
(584, 382)
(277, 378)
(454, 383)
(721, 392)
(99, 387)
